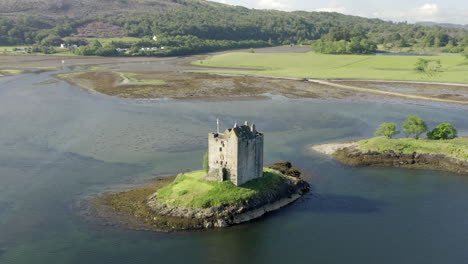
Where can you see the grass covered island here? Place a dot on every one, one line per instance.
(189, 202)
(445, 155)
(441, 150)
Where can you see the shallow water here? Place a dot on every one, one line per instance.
(59, 144)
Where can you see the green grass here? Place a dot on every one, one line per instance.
(132, 78)
(189, 191)
(107, 40)
(11, 71)
(321, 66)
(457, 148)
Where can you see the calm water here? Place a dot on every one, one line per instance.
(59, 144)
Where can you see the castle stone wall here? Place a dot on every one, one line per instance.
(236, 155)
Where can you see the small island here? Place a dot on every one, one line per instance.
(441, 150)
(233, 188)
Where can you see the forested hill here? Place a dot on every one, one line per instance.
(87, 8)
(190, 26)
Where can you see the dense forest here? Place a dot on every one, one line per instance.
(202, 27)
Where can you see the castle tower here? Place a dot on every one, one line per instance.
(235, 155)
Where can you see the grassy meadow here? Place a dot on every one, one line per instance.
(457, 148)
(189, 191)
(322, 66)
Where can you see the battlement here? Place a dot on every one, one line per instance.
(235, 155)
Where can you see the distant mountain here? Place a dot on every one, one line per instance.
(87, 8)
(447, 25)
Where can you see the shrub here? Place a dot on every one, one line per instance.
(443, 131)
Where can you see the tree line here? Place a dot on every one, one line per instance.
(416, 126)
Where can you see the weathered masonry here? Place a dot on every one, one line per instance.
(236, 155)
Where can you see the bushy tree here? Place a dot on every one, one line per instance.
(428, 66)
(387, 129)
(206, 166)
(443, 131)
(421, 65)
(414, 126)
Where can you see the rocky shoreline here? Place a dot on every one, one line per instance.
(223, 216)
(349, 154)
(139, 208)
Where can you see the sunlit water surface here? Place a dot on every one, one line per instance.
(59, 145)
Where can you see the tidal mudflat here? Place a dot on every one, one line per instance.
(61, 145)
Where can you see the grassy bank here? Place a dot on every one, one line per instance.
(135, 78)
(321, 66)
(189, 191)
(457, 148)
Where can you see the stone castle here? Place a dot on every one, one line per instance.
(236, 155)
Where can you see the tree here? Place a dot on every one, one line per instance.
(387, 129)
(206, 166)
(443, 131)
(414, 126)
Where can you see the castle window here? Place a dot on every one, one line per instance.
(220, 149)
(221, 163)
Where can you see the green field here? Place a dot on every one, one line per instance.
(321, 66)
(133, 79)
(10, 49)
(457, 148)
(189, 191)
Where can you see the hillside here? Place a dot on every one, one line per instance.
(195, 26)
(88, 8)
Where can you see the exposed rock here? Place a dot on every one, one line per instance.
(285, 167)
(354, 157)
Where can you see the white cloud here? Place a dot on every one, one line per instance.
(333, 7)
(426, 12)
(272, 4)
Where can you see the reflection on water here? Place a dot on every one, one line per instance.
(59, 144)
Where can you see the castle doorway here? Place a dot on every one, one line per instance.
(225, 175)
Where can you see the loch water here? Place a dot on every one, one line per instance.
(60, 144)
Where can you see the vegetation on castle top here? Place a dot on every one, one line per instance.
(190, 191)
(457, 148)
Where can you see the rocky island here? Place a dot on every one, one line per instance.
(233, 188)
(441, 150)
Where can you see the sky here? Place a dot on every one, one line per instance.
(443, 11)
